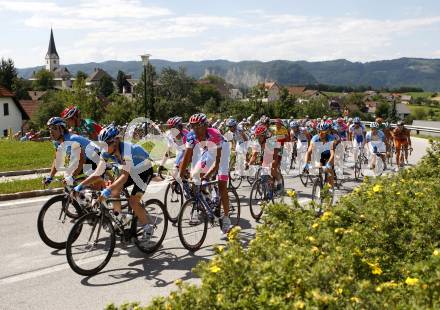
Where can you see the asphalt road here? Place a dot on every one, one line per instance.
(34, 276)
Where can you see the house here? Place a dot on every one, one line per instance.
(370, 93)
(402, 111)
(406, 99)
(371, 106)
(334, 104)
(273, 91)
(235, 94)
(96, 76)
(12, 114)
(36, 95)
(296, 90)
(314, 94)
(222, 87)
(30, 106)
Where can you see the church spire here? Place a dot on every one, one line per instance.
(52, 50)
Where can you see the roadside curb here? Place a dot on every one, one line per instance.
(23, 172)
(31, 194)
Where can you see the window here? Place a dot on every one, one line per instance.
(5, 109)
(5, 132)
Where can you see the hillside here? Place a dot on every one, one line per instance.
(424, 73)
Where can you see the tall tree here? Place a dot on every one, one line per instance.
(44, 80)
(105, 86)
(81, 75)
(120, 81)
(7, 73)
(149, 80)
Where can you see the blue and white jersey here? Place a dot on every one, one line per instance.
(379, 136)
(326, 145)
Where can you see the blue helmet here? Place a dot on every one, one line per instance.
(357, 120)
(231, 122)
(108, 133)
(323, 126)
(374, 125)
(56, 121)
(293, 124)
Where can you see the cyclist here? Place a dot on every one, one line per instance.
(176, 139)
(85, 127)
(341, 129)
(376, 144)
(402, 139)
(356, 134)
(299, 134)
(323, 142)
(199, 142)
(269, 149)
(135, 169)
(79, 150)
(387, 130)
(238, 137)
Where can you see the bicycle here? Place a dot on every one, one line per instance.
(360, 160)
(200, 209)
(174, 198)
(318, 186)
(94, 234)
(263, 192)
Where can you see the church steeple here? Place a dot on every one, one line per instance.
(52, 58)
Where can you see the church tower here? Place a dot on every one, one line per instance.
(52, 58)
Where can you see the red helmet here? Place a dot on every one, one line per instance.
(278, 121)
(198, 118)
(174, 122)
(260, 130)
(340, 119)
(69, 112)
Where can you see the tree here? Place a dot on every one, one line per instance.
(383, 109)
(120, 81)
(44, 80)
(21, 87)
(52, 105)
(8, 73)
(150, 79)
(105, 86)
(81, 75)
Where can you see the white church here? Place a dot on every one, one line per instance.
(62, 77)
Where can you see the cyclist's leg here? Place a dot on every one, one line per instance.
(398, 147)
(223, 176)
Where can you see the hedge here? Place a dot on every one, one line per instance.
(379, 247)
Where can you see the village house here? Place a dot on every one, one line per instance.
(12, 114)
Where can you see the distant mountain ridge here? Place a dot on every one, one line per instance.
(417, 72)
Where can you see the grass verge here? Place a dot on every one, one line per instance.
(17, 155)
(16, 186)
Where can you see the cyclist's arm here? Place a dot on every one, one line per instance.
(185, 161)
(53, 169)
(96, 175)
(243, 136)
(409, 139)
(216, 165)
(120, 181)
(331, 160)
(308, 155)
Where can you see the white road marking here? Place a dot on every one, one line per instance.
(18, 202)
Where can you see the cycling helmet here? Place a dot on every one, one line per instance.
(56, 121)
(198, 118)
(278, 121)
(357, 120)
(231, 122)
(400, 123)
(340, 120)
(323, 126)
(174, 122)
(374, 125)
(108, 133)
(293, 124)
(329, 122)
(69, 112)
(260, 130)
(350, 120)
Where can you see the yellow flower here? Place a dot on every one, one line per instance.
(314, 250)
(375, 268)
(299, 305)
(411, 281)
(339, 230)
(291, 193)
(236, 260)
(436, 252)
(377, 188)
(315, 225)
(327, 215)
(178, 282)
(355, 299)
(233, 233)
(214, 269)
(220, 298)
(219, 249)
(339, 291)
(311, 239)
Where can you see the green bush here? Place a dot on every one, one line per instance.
(379, 247)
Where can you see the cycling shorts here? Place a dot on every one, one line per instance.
(207, 159)
(398, 143)
(140, 185)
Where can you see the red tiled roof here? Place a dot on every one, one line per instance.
(296, 90)
(30, 106)
(4, 92)
(36, 95)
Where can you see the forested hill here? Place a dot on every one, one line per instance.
(423, 73)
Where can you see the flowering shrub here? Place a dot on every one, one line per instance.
(379, 247)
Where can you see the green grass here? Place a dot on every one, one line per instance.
(425, 94)
(428, 137)
(17, 155)
(16, 186)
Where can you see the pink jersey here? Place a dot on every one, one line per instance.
(212, 135)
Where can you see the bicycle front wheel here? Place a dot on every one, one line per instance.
(234, 207)
(56, 218)
(260, 196)
(90, 244)
(156, 216)
(192, 225)
(173, 200)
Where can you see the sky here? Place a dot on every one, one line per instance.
(179, 30)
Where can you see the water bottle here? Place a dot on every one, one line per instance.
(214, 196)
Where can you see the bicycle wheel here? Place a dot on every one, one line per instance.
(156, 216)
(260, 196)
(192, 225)
(317, 190)
(234, 179)
(304, 177)
(234, 207)
(55, 220)
(90, 244)
(173, 200)
(378, 169)
(357, 169)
